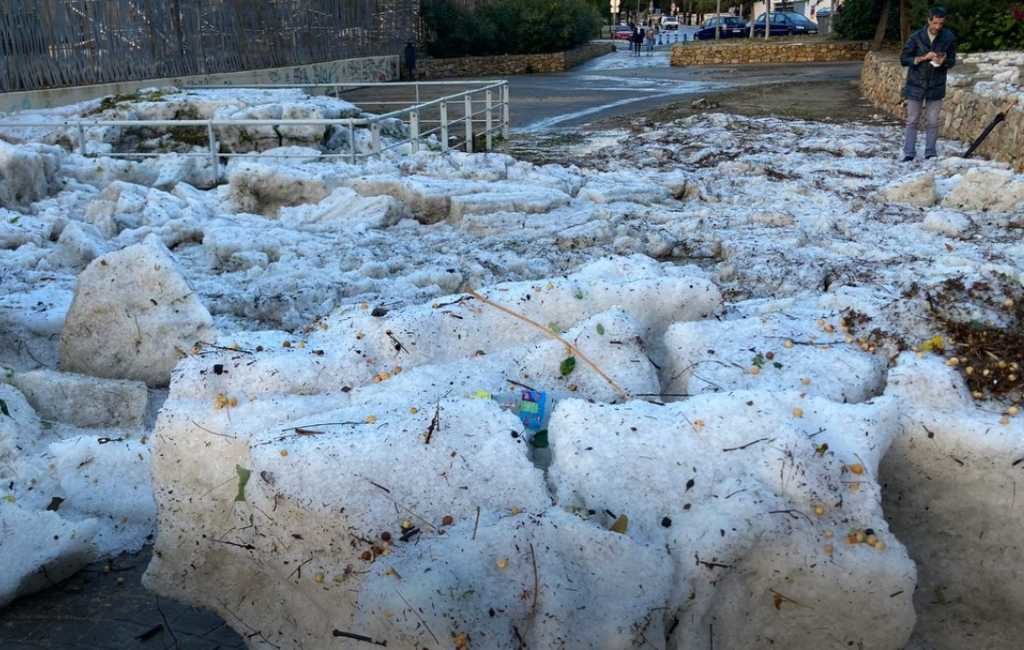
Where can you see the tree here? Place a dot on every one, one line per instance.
(905, 24)
(883, 25)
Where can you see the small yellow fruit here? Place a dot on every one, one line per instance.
(502, 563)
(953, 361)
(413, 410)
(969, 370)
(754, 370)
(871, 540)
(318, 578)
(880, 546)
(819, 510)
(856, 468)
(1013, 411)
(515, 510)
(1008, 303)
(370, 419)
(788, 344)
(798, 412)
(284, 452)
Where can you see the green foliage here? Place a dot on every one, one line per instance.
(979, 24)
(859, 19)
(508, 27)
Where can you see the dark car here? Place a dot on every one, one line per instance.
(731, 27)
(786, 23)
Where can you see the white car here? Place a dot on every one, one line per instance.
(669, 22)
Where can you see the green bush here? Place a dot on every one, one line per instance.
(859, 18)
(508, 27)
(979, 24)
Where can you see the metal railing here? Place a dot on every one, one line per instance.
(493, 118)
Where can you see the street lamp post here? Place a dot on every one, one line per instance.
(718, 20)
(767, 18)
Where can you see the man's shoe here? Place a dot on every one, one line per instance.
(908, 159)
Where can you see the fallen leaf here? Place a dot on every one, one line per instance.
(621, 525)
(568, 365)
(243, 479)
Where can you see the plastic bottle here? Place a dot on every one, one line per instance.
(532, 407)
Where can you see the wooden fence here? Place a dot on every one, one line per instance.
(56, 43)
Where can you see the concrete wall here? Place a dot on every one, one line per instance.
(973, 98)
(510, 64)
(377, 68)
(747, 51)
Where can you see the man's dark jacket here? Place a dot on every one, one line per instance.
(925, 81)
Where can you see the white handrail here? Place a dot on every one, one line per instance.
(495, 105)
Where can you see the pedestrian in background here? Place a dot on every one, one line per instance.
(410, 59)
(929, 53)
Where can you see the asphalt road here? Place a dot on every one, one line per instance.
(620, 84)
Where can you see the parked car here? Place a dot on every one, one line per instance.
(622, 33)
(730, 27)
(669, 22)
(786, 23)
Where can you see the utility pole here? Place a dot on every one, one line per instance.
(767, 19)
(718, 20)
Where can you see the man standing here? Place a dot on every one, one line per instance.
(929, 53)
(410, 59)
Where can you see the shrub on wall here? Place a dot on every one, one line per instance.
(979, 24)
(507, 27)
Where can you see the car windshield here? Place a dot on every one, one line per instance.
(733, 21)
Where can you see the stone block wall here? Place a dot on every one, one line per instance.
(510, 64)
(979, 88)
(753, 51)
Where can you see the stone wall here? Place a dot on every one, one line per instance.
(510, 64)
(754, 51)
(373, 68)
(979, 88)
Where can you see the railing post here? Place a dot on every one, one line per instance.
(488, 120)
(469, 123)
(81, 138)
(417, 85)
(444, 126)
(213, 150)
(414, 130)
(352, 139)
(375, 138)
(506, 123)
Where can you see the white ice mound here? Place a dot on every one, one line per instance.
(918, 190)
(28, 173)
(133, 316)
(82, 400)
(345, 487)
(987, 190)
(771, 352)
(952, 496)
(39, 549)
(765, 504)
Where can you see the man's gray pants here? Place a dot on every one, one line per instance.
(932, 110)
